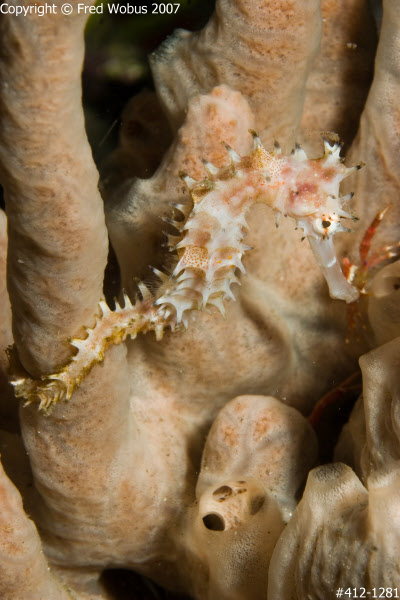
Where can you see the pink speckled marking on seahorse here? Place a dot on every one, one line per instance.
(210, 249)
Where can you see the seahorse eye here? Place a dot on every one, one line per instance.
(326, 223)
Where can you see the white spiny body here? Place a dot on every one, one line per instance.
(210, 249)
(211, 246)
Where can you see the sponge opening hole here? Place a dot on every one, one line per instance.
(214, 522)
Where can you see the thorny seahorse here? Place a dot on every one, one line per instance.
(210, 249)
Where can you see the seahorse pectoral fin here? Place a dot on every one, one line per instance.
(325, 256)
